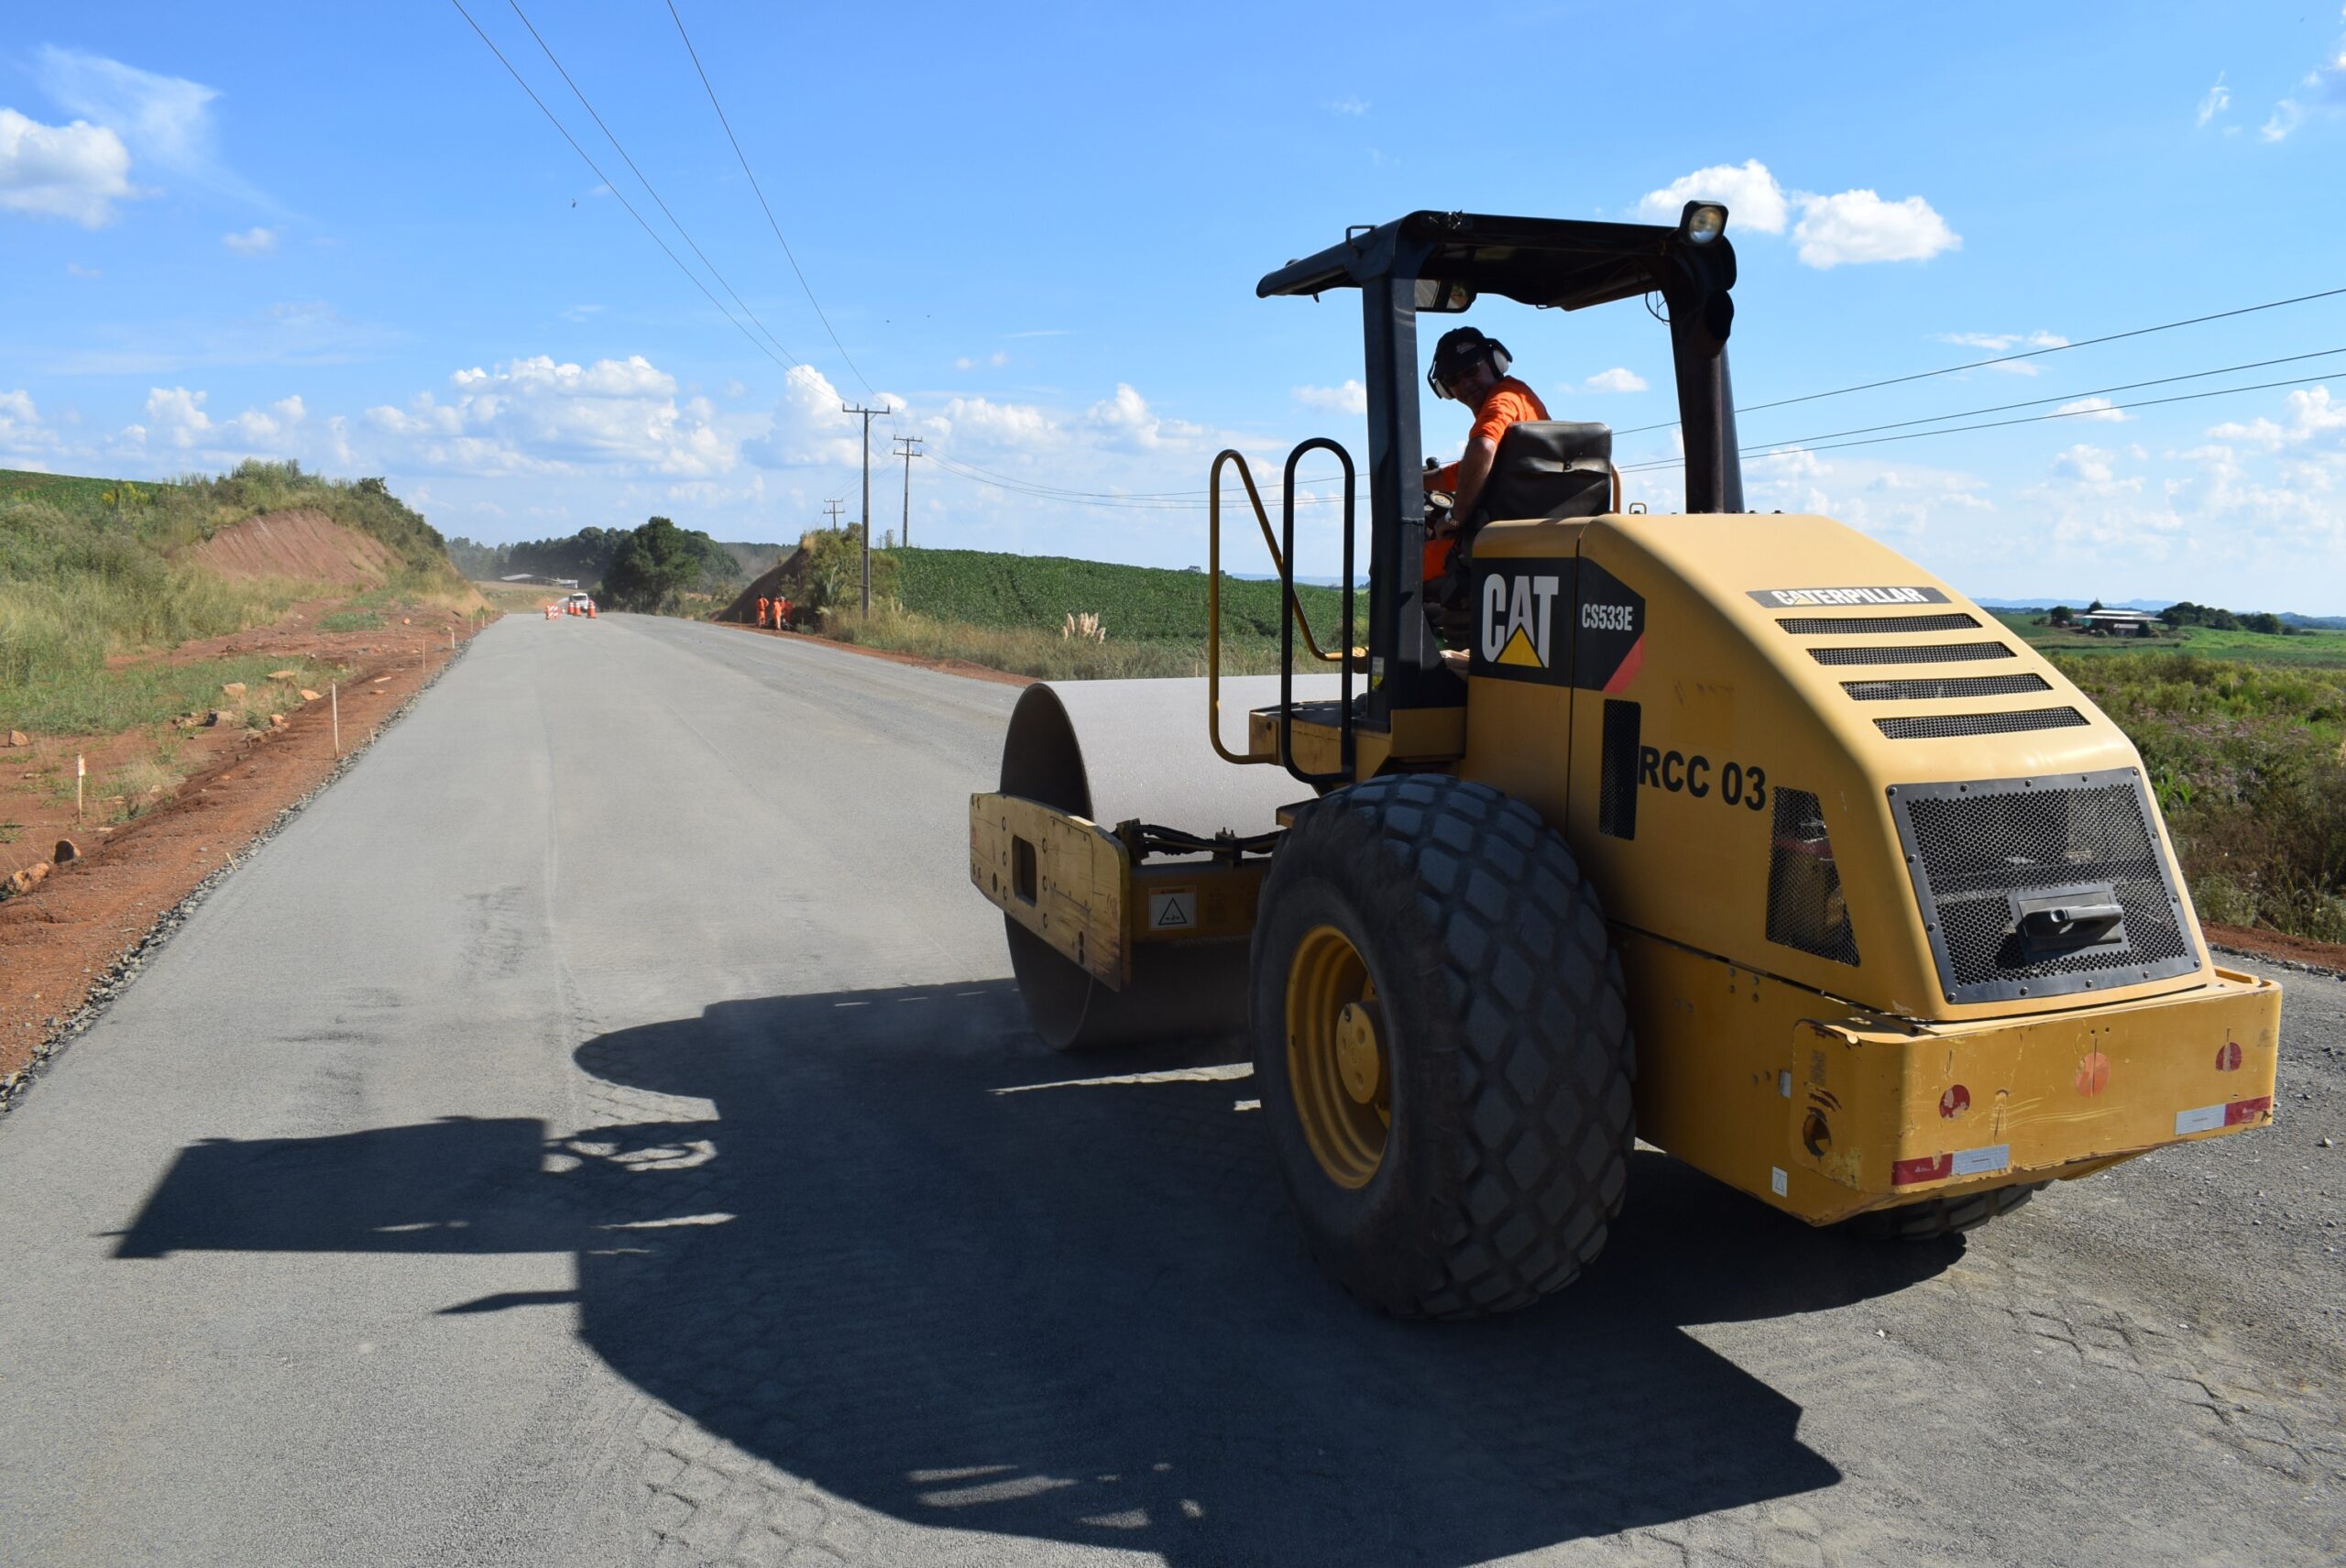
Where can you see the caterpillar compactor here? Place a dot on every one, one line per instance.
(1738, 834)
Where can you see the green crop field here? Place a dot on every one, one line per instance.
(2312, 647)
(72, 492)
(1142, 604)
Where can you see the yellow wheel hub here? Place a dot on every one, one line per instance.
(1339, 1065)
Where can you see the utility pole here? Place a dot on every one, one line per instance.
(831, 513)
(869, 415)
(908, 448)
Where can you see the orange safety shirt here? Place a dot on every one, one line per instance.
(1509, 402)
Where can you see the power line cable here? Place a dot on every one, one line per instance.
(614, 190)
(2009, 358)
(771, 221)
(612, 137)
(1763, 448)
(1773, 450)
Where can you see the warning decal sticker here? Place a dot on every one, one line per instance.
(1173, 909)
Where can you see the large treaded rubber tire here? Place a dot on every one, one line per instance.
(1511, 1124)
(1936, 1218)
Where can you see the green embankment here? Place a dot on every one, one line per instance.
(90, 569)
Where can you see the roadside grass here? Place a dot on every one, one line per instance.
(513, 597)
(2314, 647)
(104, 701)
(88, 573)
(351, 620)
(2249, 765)
(1031, 651)
(137, 787)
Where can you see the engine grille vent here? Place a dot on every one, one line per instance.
(1805, 906)
(1926, 689)
(1988, 856)
(1859, 625)
(1938, 726)
(1918, 654)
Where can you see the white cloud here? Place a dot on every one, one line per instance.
(166, 120)
(2090, 464)
(2096, 408)
(1351, 398)
(254, 241)
(1886, 499)
(22, 429)
(77, 171)
(538, 415)
(2286, 117)
(998, 359)
(809, 428)
(1127, 420)
(2261, 430)
(1859, 226)
(1354, 107)
(2312, 414)
(76, 269)
(178, 416)
(2219, 99)
(1833, 231)
(2004, 342)
(1754, 201)
(1616, 379)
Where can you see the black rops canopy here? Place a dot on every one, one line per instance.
(1416, 263)
(1536, 261)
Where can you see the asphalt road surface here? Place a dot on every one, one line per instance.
(600, 1129)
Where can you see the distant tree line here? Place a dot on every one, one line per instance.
(2184, 613)
(652, 568)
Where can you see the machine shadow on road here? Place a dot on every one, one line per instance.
(917, 1260)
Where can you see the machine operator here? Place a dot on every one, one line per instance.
(1473, 369)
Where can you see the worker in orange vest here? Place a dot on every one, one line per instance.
(762, 602)
(781, 616)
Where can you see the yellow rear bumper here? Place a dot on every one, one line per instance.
(1887, 1114)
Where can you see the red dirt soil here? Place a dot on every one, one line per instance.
(299, 543)
(57, 940)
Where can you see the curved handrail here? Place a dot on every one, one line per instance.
(1290, 610)
(1213, 592)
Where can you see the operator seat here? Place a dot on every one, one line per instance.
(1544, 469)
(1547, 469)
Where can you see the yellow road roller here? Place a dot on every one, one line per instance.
(1738, 834)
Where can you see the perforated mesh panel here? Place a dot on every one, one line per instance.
(1805, 906)
(1936, 726)
(1925, 688)
(1859, 625)
(1920, 653)
(1978, 848)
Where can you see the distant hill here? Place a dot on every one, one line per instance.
(2153, 605)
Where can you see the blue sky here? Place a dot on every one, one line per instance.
(346, 236)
